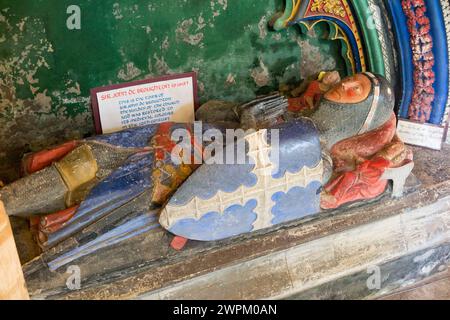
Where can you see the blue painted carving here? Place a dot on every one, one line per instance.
(123, 185)
(299, 146)
(142, 223)
(212, 178)
(407, 68)
(131, 138)
(234, 221)
(440, 51)
(297, 203)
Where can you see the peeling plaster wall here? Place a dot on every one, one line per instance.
(47, 70)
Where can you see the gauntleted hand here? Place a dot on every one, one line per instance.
(262, 112)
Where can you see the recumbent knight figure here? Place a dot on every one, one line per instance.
(345, 152)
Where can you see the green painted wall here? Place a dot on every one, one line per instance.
(47, 70)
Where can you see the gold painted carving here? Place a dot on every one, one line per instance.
(333, 7)
(78, 170)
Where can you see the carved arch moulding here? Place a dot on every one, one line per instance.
(404, 40)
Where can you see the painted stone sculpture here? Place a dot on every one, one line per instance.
(362, 156)
(357, 127)
(220, 201)
(108, 188)
(314, 92)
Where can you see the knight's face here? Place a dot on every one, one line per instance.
(353, 89)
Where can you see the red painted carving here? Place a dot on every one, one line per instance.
(163, 144)
(55, 221)
(40, 160)
(359, 163)
(423, 59)
(178, 243)
(360, 184)
(308, 100)
(43, 226)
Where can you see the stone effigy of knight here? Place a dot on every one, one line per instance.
(108, 188)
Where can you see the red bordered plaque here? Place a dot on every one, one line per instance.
(144, 102)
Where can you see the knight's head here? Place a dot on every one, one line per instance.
(353, 89)
(355, 105)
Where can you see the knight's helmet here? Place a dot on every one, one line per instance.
(339, 121)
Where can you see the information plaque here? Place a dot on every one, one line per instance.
(144, 102)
